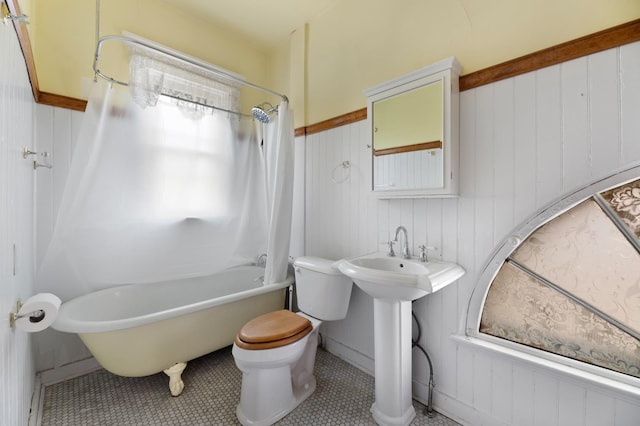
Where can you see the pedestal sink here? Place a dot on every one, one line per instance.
(393, 283)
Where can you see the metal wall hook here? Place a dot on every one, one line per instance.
(36, 165)
(26, 152)
(8, 16)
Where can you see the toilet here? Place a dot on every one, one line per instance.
(276, 351)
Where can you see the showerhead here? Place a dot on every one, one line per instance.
(261, 112)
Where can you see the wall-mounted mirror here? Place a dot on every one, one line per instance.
(414, 133)
(409, 121)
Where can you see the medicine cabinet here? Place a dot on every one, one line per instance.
(413, 124)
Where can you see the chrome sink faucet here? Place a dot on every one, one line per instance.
(422, 257)
(390, 251)
(405, 245)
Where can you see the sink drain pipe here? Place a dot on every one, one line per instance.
(428, 411)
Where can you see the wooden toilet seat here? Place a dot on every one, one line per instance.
(273, 330)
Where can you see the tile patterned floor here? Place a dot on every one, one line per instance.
(212, 390)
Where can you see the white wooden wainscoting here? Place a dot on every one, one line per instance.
(56, 131)
(16, 228)
(524, 141)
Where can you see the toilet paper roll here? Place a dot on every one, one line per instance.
(38, 312)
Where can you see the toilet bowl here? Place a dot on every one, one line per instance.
(276, 351)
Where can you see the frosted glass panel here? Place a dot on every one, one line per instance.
(583, 252)
(523, 310)
(572, 287)
(625, 203)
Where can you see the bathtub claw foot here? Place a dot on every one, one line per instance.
(176, 385)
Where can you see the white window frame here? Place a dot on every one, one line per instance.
(470, 334)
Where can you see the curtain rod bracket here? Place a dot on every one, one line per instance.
(7, 16)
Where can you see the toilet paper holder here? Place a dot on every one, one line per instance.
(35, 316)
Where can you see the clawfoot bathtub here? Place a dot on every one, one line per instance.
(142, 329)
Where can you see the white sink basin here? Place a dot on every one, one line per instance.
(387, 277)
(394, 282)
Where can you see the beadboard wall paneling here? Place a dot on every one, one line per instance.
(56, 131)
(296, 247)
(525, 141)
(17, 373)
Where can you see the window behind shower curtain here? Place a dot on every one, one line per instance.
(159, 188)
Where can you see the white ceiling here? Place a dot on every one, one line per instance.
(265, 23)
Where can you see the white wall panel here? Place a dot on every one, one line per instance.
(297, 226)
(525, 202)
(482, 383)
(502, 393)
(504, 152)
(341, 219)
(545, 400)
(548, 135)
(571, 404)
(626, 413)
(62, 134)
(44, 217)
(524, 142)
(17, 254)
(604, 104)
(484, 160)
(575, 122)
(629, 108)
(523, 388)
(600, 410)
(56, 130)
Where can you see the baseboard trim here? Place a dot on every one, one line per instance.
(68, 371)
(37, 400)
(353, 357)
(452, 408)
(53, 376)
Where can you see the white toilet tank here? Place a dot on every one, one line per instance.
(322, 290)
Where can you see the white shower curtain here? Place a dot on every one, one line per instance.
(155, 194)
(279, 146)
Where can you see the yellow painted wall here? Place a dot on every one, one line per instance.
(287, 74)
(360, 43)
(326, 64)
(68, 26)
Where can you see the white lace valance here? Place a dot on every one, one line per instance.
(152, 74)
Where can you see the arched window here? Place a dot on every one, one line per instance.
(566, 285)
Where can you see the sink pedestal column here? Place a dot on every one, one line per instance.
(394, 283)
(392, 333)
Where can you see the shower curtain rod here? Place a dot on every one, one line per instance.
(176, 55)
